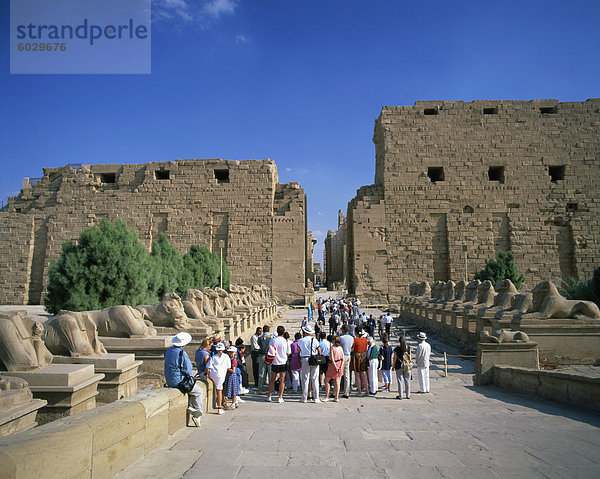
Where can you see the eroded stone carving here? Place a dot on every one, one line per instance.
(547, 303)
(485, 296)
(257, 292)
(519, 304)
(470, 295)
(424, 289)
(169, 312)
(21, 344)
(504, 336)
(436, 291)
(505, 290)
(73, 333)
(448, 291)
(192, 303)
(225, 301)
(459, 293)
(239, 292)
(212, 298)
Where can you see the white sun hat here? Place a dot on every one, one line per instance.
(181, 339)
(307, 329)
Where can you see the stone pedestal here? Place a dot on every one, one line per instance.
(120, 374)
(67, 388)
(151, 351)
(17, 406)
(563, 341)
(309, 297)
(522, 354)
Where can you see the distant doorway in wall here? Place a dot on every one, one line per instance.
(441, 259)
(158, 225)
(220, 232)
(38, 260)
(566, 251)
(501, 232)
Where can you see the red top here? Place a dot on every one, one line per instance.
(360, 345)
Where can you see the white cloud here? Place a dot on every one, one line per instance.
(188, 11)
(320, 213)
(297, 171)
(175, 3)
(318, 234)
(216, 8)
(239, 38)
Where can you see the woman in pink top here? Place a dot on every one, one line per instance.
(335, 369)
(295, 362)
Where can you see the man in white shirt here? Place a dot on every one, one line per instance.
(278, 366)
(422, 359)
(388, 323)
(309, 346)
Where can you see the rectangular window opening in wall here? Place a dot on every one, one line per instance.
(430, 111)
(549, 110)
(572, 207)
(222, 176)
(435, 174)
(491, 110)
(496, 173)
(557, 173)
(108, 177)
(162, 174)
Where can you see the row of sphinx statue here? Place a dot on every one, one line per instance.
(502, 300)
(28, 344)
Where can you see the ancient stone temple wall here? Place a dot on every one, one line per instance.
(483, 176)
(335, 253)
(289, 242)
(201, 202)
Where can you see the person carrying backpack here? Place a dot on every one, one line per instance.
(402, 364)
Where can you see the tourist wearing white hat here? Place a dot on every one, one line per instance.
(176, 363)
(422, 358)
(217, 371)
(309, 346)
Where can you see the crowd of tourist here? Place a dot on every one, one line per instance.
(343, 338)
(312, 359)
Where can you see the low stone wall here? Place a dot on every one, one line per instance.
(97, 443)
(560, 341)
(575, 389)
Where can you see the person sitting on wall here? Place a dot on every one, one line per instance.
(177, 362)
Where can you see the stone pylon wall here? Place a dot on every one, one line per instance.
(289, 242)
(191, 201)
(488, 175)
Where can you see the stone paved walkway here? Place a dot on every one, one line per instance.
(456, 431)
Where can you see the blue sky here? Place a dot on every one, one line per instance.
(300, 82)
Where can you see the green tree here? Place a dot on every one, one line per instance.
(587, 289)
(107, 267)
(202, 268)
(168, 266)
(502, 268)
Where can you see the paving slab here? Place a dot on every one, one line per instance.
(457, 431)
